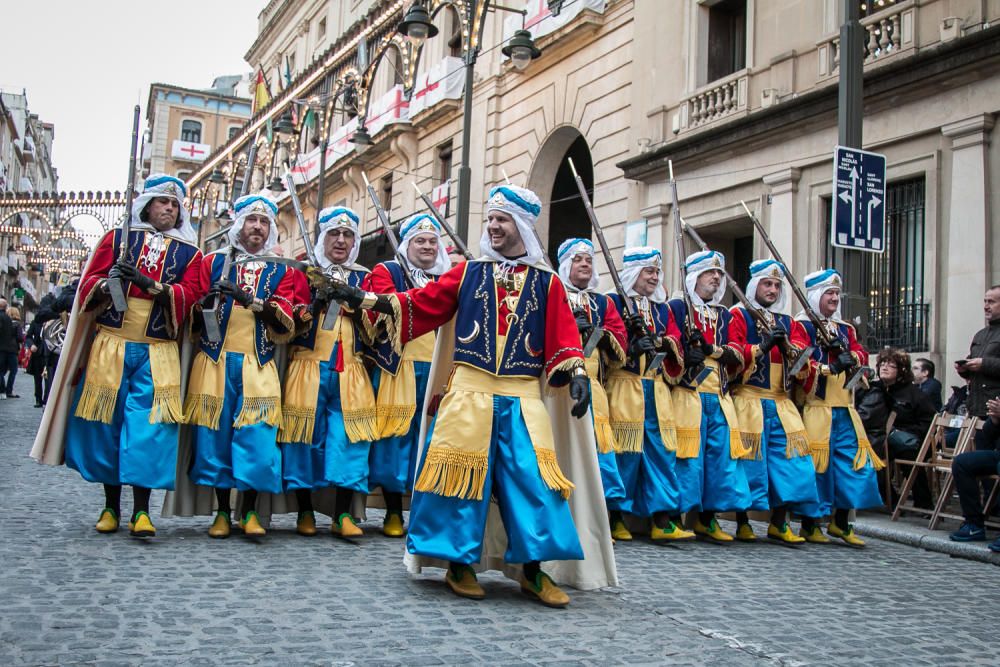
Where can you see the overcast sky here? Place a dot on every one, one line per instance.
(85, 65)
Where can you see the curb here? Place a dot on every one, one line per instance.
(970, 551)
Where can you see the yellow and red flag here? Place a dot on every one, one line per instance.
(261, 94)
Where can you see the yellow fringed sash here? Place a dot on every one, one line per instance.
(396, 403)
(603, 432)
(457, 457)
(106, 365)
(818, 420)
(261, 388)
(687, 411)
(628, 411)
(750, 414)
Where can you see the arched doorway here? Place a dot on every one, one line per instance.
(563, 213)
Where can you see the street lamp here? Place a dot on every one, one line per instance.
(521, 49)
(347, 90)
(361, 139)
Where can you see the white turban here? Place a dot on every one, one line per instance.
(767, 268)
(569, 249)
(162, 185)
(337, 217)
(423, 224)
(819, 283)
(246, 206)
(524, 206)
(697, 264)
(633, 262)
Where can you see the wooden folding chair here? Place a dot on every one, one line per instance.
(934, 456)
(971, 426)
(888, 473)
(992, 523)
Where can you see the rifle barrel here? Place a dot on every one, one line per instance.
(455, 238)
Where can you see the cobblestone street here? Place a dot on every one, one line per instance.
(72, 596)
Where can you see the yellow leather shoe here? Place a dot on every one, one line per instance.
(712, 532)
(784, 535)
(344, 526)
(848, 536)
(108, 521)
(142, 526)
(250, 524)
(545, 591)
(620, 533)
(306, 524)
(393, 525)
(814, 535)
(221, 526)
(744, 533)
(672, 533)
(465, 585)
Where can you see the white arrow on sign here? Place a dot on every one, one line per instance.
(849, 195)
(872, 203)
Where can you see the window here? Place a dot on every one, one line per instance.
(396, 61)
(727, 38)
(453, 29)
(183, 175)
(869, 7)
(191, 131)
(234, 130)
(444, 162)
(320, 30)
(385, 193)
(887, 291)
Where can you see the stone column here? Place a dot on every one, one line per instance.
(783, 185)
(660, 234)
(967, 264)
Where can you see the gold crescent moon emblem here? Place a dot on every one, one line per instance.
(527, 346)
(472, 336)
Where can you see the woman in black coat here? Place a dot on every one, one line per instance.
(43, 359)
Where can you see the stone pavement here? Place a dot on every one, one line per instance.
(71, 596)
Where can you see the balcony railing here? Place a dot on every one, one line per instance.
(903, 326)
(887, 33)
(720, 99)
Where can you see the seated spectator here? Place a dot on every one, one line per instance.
(967, 468)
(923, 376)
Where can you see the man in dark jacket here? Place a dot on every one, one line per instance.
(9, 345)
(967, 468)
(982, 367)
(43, 357)
(923, 377)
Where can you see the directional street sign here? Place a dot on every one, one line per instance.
(859, 200)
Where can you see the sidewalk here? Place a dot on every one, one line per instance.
(914, 532)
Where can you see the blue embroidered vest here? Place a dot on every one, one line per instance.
(660, 313)
(177, 256)
(679, 309)
(476, 323)
(382, 353)
(822, 356)
(307, 339)
(267, 285)
(761, 376)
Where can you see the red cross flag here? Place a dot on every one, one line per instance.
(190, 151)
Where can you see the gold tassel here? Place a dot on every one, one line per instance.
(628, 437)
(553, 477)
(797, 444)
(668, 433)
(360, 425)
(297, 425)
(752, 443)
(97, 403)
(453, 474)
(737, 450)
(258, 410)
(167, 408)
(820, 452)
(866, 453)
(688, 443)
(604, 434)
(393, 420)
(203, 410)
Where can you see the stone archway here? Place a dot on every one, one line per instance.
(563, 213)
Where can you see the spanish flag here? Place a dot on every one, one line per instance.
(261, 95)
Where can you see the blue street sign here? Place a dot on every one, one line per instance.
(858, 200)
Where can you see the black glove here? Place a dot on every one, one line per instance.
(844, 362)
(730, 357)
(583, 323)
(693, 357)
(836, 348)
(697, 340)
(123, 271)
(239, 296)
(775, 336)
(348, 295)
(641, 345)
(579, 391)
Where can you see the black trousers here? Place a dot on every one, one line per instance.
(967, 469)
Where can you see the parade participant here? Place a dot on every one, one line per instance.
(642, 413)
(708, 439)
(778, 468)
(843, 457)
(595, 311)
(455, 256)
(329, 402)
(402, 379)
(234, 397)
(513, 333)
(123, 428)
